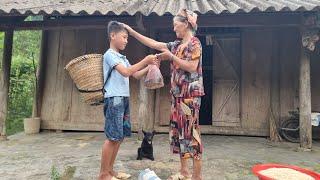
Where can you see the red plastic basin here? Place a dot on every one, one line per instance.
(259, 167)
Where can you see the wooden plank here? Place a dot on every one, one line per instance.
(77, 112)
(159, 129)
(5, 81)
(40, 75)
(289, 53)
(164, 95)
(86, 42)
(73, 109)
(255, 86)
(157, 108)
(226, 88)
(315, 83)
(208, 129)
(63, 84)
(134, 101)
(49, 106)
(146, 108)
(165, 104)
(72, 126)
(135, 52)
(274, 110)
(226, 108)
(305, 101)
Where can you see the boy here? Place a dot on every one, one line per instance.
(116, 105)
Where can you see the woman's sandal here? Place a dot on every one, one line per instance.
(179, 176)
(122, 175)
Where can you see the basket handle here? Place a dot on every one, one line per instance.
(88, 90)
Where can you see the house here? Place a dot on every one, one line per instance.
(260, 60)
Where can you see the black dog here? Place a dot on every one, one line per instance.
(146, 149)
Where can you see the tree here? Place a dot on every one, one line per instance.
(22, 79)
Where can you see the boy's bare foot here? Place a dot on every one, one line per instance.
(113, 173)
(120, 175)
(107, 176)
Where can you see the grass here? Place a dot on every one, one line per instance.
(317, 168)
(55, 175)
(14, 125)
(66, 175)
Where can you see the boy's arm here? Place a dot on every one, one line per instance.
(141, 73)
(129, 71)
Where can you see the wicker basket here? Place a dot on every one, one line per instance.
(87, 73)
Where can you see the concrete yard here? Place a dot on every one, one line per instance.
(77, 155)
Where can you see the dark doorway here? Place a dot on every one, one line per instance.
(207, 66)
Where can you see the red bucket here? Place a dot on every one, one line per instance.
(259, 167)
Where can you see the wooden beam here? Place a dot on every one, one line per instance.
(37, 102)
(238, 131)
(66, 23)
(146, 108)
(305, 100)
(5, 81)
(146, 97)
(236, 20)
(230, 20)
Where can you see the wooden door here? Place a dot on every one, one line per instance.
(226, 85)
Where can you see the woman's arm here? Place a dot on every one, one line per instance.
(129, 71)
(190, 66)
(160, 46)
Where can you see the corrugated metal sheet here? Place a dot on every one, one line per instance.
(147, 7)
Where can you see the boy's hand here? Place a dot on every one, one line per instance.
(165, 56)
(152, 59)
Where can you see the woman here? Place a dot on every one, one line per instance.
(185, 55)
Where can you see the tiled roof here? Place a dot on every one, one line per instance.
(147, 7)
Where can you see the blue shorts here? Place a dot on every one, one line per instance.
(117, 118)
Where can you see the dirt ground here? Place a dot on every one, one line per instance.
(77, 155)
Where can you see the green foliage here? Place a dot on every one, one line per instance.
(26, 45)
(55, 175)
(66, 175)
(34, 18)
(1, 47)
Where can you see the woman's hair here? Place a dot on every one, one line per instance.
(182, 18)
(189, 17)
(115, 27)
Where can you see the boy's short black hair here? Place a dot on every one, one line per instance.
(115, 27)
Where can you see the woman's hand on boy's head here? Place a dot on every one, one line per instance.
(128, 28)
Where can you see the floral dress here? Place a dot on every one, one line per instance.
(186, 89)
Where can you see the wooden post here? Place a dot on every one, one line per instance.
(40, 76)
(305, 101)
(305, 90)
(5, 81)
(146, 97)
(146, 109)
